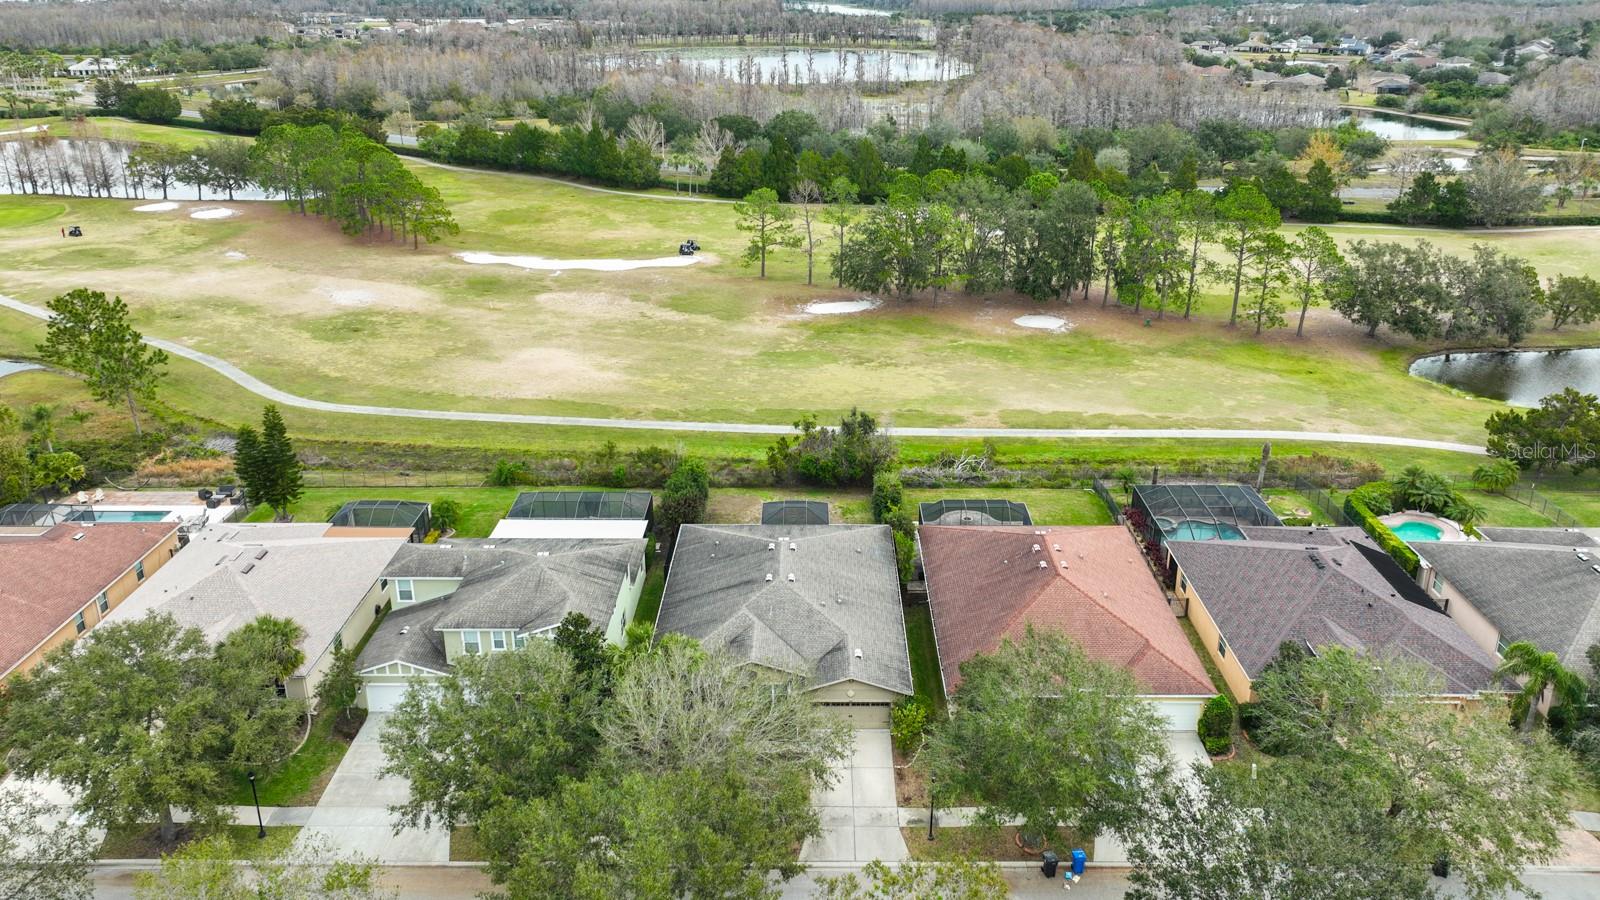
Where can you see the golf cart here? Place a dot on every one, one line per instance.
(688, 248)
(74, 231)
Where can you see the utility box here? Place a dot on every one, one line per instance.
(1050, 862)
(1080, 860)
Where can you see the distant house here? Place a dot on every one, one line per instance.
(990, 584)
(1391, 84)
(818, 602)
(1493, 79)
(1456, 62)
(94, 67)
(1305, 81)
(1213, 71)
(463, 598)
(577, 514)
(230, 575)
(1524, 584)
(1248, 596)
(407, 519)
(1352, 47)
(58, 581)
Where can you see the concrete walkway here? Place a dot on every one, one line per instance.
(353, 814)
(284, 398)
(860, 819)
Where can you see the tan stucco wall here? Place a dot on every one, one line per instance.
(1232, 672)
(116, 592)
(422, 589)
(863, 693)
(1480, 629)
(355, 628)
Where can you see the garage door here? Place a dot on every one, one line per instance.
(861, 715)
(384, 697)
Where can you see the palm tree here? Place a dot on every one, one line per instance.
(1543, 672)
(1497, 476)
(40, 420)
(1466, 513)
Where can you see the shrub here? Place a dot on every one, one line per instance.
(1358, 506)
(908, 722)
(446, 514)
(905, 556)
(887, 493)
(684, 497)
(507, 473)
(1216, 725)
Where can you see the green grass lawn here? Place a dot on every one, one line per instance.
(464, 846)
(481, 507)
(300, 780)
(1046, 506)
(929, 686)
(1217, 681)
(986, 844)
(655, 581)
(1289, 503)
(142, 841)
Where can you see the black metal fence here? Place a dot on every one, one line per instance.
(315, 479)
(1104, 493)
(1323, 501)
(1542, 505)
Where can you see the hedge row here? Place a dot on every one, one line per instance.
(1384, 217)
(1358, 506)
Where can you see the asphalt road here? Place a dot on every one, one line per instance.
(284, 398)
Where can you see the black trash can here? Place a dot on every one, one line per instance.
(1050, 861)
(1441, 867)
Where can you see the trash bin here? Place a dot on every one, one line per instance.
(1441, 866)
(1080, 860)
(1050, 862)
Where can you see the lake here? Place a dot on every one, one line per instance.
(12, 367)
(1519, 377)
(1405, 128)
(843, 9)
(818, 66)
(63, 167)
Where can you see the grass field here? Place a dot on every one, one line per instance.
(329, 317)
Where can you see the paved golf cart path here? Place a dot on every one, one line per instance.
(284, 398)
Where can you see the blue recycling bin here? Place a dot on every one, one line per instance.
(1080, 860)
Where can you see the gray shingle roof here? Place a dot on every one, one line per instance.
(1559, 537)
(526, 585)
(844, 597)
(1262, 592)
(1545, 594)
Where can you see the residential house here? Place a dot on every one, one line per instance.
(57, 582)
(461, 598)
(1540, 585)
(817, 602)
(989, 584)
(230, 575)
(577, 514)
(94, 67)
(1248, 596)
(1305, 81)
(1352, 47)
(1213, 71)
(1456, 62)
(1398, 84)
(1493, 79)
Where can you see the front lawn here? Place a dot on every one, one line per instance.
(301, 779)
(143, 841)
(997, 844)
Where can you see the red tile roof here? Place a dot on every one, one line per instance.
(986, 584)
(50, 576)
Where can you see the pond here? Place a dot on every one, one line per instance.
(1519, 377)
(817, 66)
(13, 366)
(66, 168)
(1404, 128)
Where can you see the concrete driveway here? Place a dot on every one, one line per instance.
(860, 818)
(353, 813)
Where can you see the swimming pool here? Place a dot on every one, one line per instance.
(1416, 531)
(122, 515)
(1193, 530)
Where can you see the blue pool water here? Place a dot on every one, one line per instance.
(124, 515)
(1416, 531)
(1191, 530)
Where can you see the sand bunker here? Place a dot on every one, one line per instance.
(234, 254)
(1043, 323)
(163, 206)
(840, 307)
(595, 265)
(33, 129)
(215, 212)
(347, 297)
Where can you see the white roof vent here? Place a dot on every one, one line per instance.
(791, 574)
(771, 546)
(838, 598)
(541, 553)
(1063, 564)
(858, 653)
(1056, 547)
(794, 546)
(769, 576)
(1036, 548)
(78, 536)
(405, 629)
(1596, 568)
(1043, 564)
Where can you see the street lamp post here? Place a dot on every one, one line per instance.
(261, 827)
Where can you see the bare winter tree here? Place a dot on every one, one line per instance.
(648, 131)
(805, 195)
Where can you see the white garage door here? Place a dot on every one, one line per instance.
(861, 715)
(384, 697)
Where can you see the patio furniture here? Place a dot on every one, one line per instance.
(205, 493)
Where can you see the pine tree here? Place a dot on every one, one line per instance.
(267, 465)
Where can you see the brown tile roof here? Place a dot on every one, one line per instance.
(50, 576)
(986, 584)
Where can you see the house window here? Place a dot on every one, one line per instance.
(403, 592)
(497, 640)
(1222, 648)
(471, 642)
(1183, 585)
(138, 570)
(281, 689)
(102, 603)
(1500, 646)
(519, 641)
(78, 623)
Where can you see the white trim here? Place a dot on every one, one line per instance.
(372, 670)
